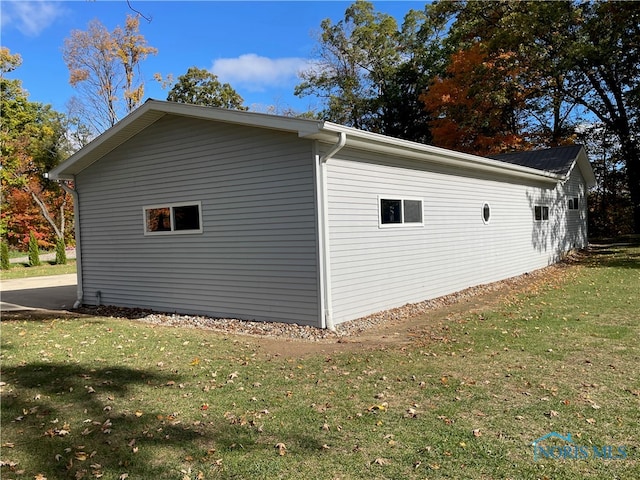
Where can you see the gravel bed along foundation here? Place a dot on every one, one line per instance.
(303, 332)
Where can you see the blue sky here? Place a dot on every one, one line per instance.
(255, 46)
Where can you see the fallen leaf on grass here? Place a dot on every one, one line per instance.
(381, 461)
(195, 362)
(382, 407)
(282, 448)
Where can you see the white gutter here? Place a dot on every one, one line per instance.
(76, 221)
(325, 253)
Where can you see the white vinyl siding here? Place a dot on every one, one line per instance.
(256, 257)
(375, 269)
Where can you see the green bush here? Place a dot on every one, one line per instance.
(34, 251)
(4, 256)
(61, 254)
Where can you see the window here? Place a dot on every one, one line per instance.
(486, 213)
(400, 211)
(541, 213)
(574, 203)
(172, 219)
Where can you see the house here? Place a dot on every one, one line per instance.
(236, 214)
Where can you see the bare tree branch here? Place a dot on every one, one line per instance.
(148, 19)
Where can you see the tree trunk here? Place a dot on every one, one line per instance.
(631, 154)
(45, 213)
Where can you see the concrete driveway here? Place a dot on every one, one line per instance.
(56, 292)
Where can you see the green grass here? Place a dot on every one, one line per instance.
(19, 270)
(95, 396)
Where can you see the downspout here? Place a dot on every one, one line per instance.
(324, 227)
(76, 221)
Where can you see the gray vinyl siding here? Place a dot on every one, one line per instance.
(257, 255)
(374, 268)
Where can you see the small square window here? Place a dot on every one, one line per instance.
(187, 217)
(413, 211)
(158, 219)
(391, 211)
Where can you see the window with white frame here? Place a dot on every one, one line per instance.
(541, 213)
(574, 203)
(173, 218)
(400, 211)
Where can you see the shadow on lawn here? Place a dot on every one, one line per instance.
(72, 410)
(43, 403)
(616, 255)
(79, 421)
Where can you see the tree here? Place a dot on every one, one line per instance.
(33, 142)
(603, 65)
(105, 69)
(610, 212)
(34, 251)
(201, 87)
(5, 263)
(61, 253)
(370, 72)
(476, 106)
(580, 63)
(355, 58)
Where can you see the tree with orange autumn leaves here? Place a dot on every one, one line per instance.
(469, 117)
(33, 142)
(104, 69)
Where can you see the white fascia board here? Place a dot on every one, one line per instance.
(122, 131)
(427, 153)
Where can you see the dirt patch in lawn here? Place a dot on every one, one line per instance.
(420, 323)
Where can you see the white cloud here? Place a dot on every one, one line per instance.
(30, 17)
(258, 73)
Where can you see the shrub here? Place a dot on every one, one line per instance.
(4, 256)
(61, 254)
(34, 251)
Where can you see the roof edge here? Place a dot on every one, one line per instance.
(152, 110)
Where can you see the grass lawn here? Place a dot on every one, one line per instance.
(19, 270)
(464, 397)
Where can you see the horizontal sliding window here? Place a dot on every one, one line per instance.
(574, 203)
(541, 213)
(400, 211)
(173, 218)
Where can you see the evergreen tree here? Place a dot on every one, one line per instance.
(61, 254)
(4, 256)
(34, 251)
